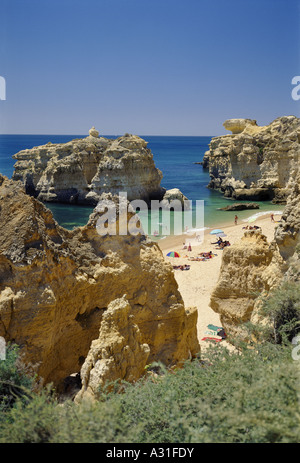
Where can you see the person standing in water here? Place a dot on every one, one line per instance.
(235, 219)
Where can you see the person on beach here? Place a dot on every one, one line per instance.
(272, 218)
(223, 244)
(207, 255)
(235, 219)
(218, 242)
(190, 247)
(249, 227)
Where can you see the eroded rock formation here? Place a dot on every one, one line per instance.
(121, 351)
(175, 196)
(81, 170)
(244, 275)
(238, 125)
(57, 286)
(256, 163)
(252, 267)
(240, 207)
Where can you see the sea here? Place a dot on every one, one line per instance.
(178, 158)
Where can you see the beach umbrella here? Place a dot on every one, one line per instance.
(173, 254)
(216, 231)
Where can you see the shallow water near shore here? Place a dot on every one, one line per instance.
(175, 156)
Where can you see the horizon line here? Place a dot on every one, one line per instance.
(110, 135)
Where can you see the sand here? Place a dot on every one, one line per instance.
(197, 284)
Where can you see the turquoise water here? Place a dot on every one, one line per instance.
(174, 156)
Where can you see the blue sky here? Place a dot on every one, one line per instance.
(149, 67)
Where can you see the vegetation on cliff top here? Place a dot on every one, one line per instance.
(251, 395)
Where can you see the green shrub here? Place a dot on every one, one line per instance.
(94, 422)
(34, 421)
(245, 396)
(282, 308)
(15, 380)
(250, 396)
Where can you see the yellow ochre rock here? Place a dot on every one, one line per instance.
(57, 286)
(255, 163)
(252, 267)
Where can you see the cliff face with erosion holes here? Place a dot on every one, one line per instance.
(81, 170)
(60, 290)
(253, 267)
(255, 163)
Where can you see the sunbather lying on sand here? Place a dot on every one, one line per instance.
(208, 255)
(218, 242)
(181, 267)
(250, 227)
(223, 245)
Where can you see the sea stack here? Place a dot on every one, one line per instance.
(81, 170)
(255, 163)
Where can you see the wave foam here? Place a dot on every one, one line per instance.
(260, 214)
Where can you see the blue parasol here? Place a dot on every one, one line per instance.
(216, 231)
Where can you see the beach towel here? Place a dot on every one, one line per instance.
(214, 327)
(213, 333)
(210, 338)
(216, 331)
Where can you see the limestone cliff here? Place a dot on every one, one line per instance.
(253, 267)
(244, 276)
(57, 286)
(120, 350)
(255, 163)
(81, 170)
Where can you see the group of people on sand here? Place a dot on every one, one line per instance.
(221, 244)
(189, 248)
(251, 227)
(181, 267)
(207, 255)
(203, 256)
(197, 259)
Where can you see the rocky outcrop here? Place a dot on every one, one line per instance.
(175, 196)
(244, 275)
(93, 132)
(205, 162)
(238, 125)
(252, 267)
(120, 350)
(256, 163)
(81, 170)
(59, 288)
(287, 238)
(240, 207)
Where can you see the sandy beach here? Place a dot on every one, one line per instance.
(196, 284)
